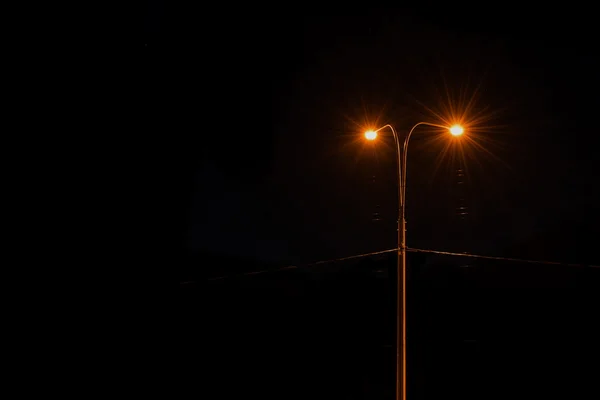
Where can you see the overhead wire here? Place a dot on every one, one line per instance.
(290, 267)
(409, 249)
(502, 258)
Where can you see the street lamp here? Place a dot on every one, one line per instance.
(455, 130)
(371, 135)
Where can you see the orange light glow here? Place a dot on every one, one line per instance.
(456, 130)
(371, 135)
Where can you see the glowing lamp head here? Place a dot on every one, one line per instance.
(456, 130)
(371, 135)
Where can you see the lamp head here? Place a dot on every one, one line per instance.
(371, 135)
(456, 130)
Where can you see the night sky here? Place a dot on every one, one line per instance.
(244, 151)
(265, 110)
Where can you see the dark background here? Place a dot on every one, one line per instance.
(492, 330)
(261, 116)
(251, 123)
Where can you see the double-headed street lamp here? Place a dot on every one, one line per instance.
(455, 130)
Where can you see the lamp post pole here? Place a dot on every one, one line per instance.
(402, 152)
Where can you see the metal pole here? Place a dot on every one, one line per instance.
(401, 287)
(401, 278)
(401, 376)
(401, 315)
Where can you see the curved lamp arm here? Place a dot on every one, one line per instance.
(400, 167)
(404, 157)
